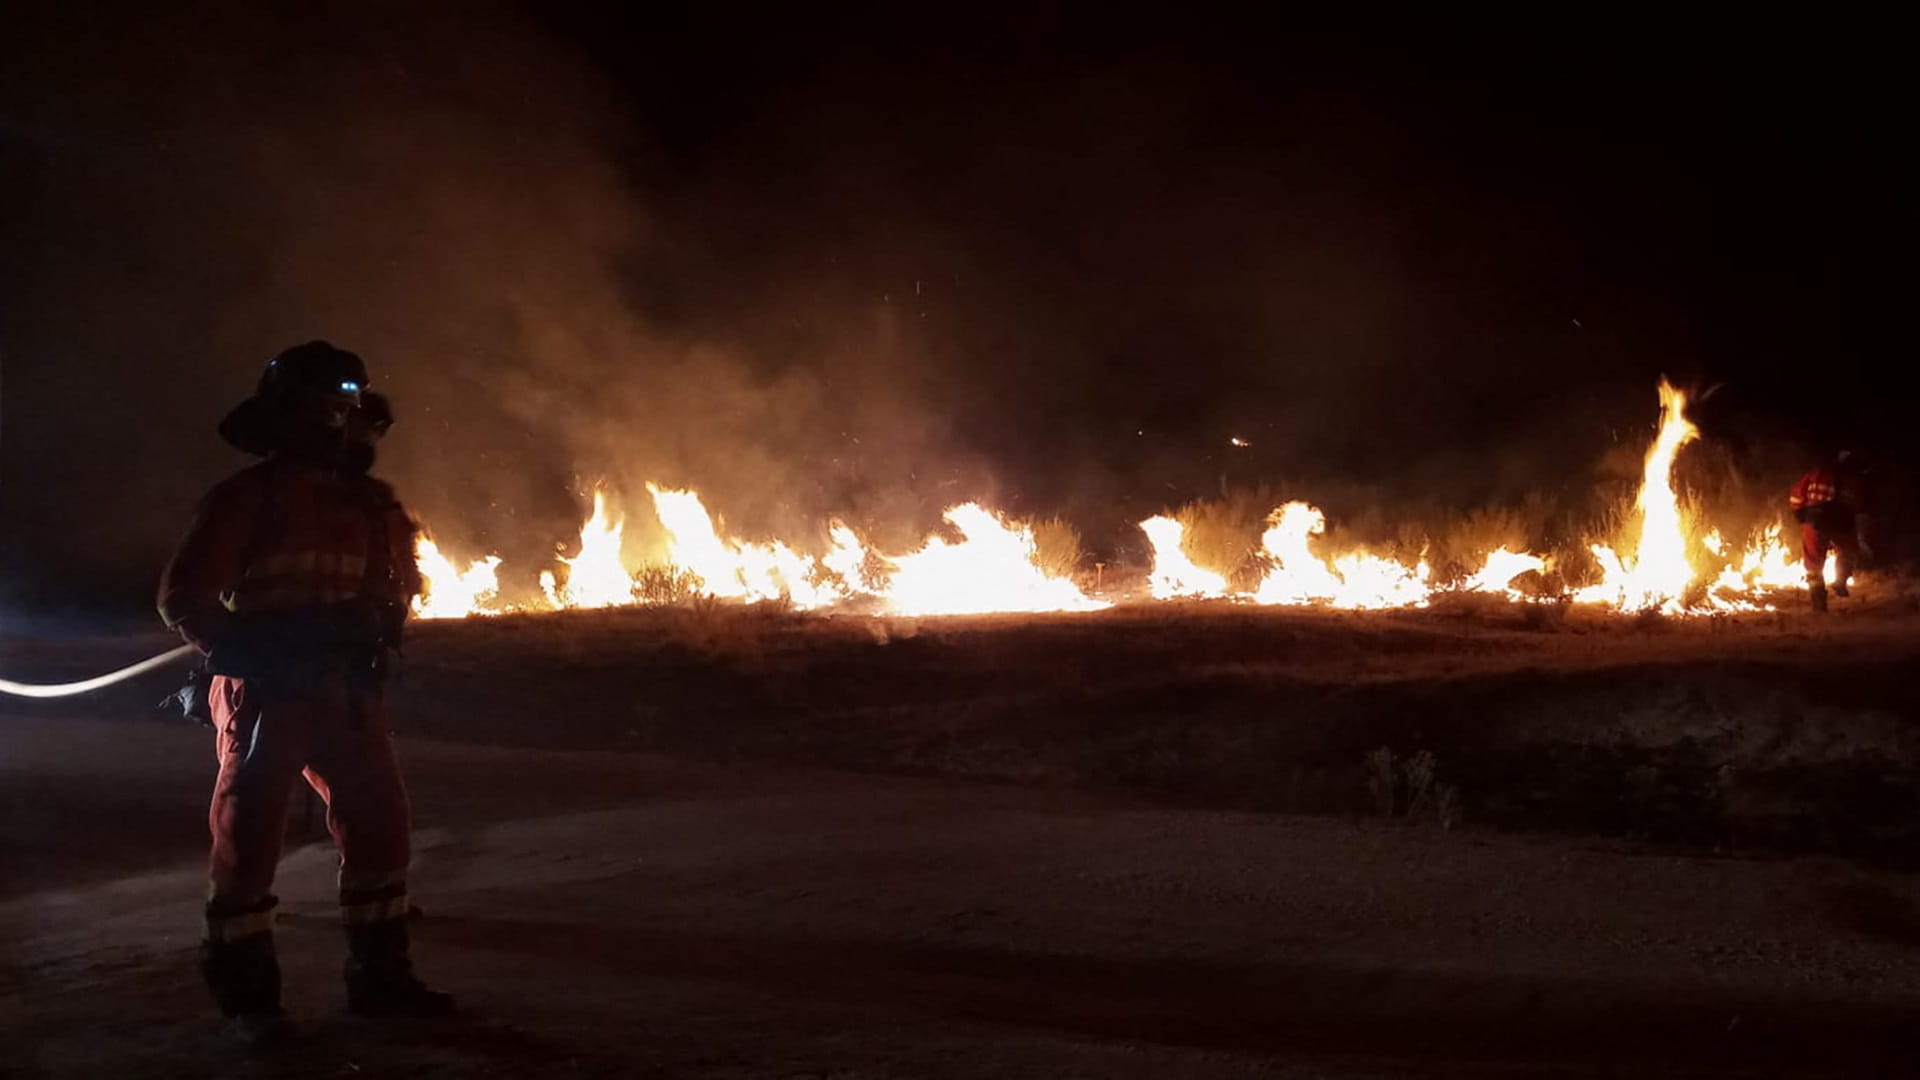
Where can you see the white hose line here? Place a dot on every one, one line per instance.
(30, 690)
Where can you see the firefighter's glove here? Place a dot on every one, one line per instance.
(195, 699)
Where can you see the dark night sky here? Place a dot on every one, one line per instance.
(873, 260)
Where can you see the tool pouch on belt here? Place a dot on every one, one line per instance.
(302, 650)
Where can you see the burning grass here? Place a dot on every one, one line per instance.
(1671, 549)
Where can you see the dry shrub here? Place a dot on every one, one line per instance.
(1612, 520)
(1410, 543)
(1378, 531)
(1223, 535)
(1742, 497)
(1372, 528)
(1615, 520)
(662, 583)
(1410, 789)
(1527, 525)
(1743, 502)
(1383, 780)
(1419, 771)
(1057, 549)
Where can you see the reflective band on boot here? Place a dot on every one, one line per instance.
(228, 923)
(359, 907)
(237, 958)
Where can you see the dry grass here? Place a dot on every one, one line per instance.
(1613, 724)
(1452, 541)
(739, 636)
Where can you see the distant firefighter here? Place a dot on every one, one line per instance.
(1827, 504)
(295, 580)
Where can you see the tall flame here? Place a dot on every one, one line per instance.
(693, 545)
(734, 569)
(1657, 574)
(1174, 574)
(1298, 576)
(452, 593)
(595, 578)
(847, 561)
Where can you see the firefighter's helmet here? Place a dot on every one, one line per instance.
(317, 368)
(304, 391)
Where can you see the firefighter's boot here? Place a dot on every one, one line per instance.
(1817, 592)
(380, 978)
(237, 961)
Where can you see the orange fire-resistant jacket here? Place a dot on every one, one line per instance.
(281, 537)
(1819, 487)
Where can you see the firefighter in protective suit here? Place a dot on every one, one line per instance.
(295, 579)
(1827, 504)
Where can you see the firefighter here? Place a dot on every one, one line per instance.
(295, 579)
(1826, 503)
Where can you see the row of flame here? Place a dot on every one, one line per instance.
(993, 567)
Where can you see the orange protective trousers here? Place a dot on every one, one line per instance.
(1815, 542)
(336, 737)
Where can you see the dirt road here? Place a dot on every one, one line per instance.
(627, 915)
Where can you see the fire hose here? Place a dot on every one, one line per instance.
(87, 686)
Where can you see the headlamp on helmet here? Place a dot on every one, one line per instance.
(317, 368)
